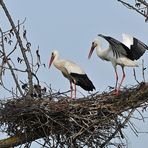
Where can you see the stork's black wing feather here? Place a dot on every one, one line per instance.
(83, 81)
(138, 48)
(118, 47)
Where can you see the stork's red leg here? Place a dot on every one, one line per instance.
(71, 89)
(116, 79)
(123, 76)
(75, 89)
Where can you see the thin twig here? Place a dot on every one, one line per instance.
(21, 46)
(8, 31)
(129, 6)
(135, 76)
(10, 67)
(118, 128)
(143, 70)
(13, 49)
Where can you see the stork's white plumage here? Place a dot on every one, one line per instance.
(72, 72)
(118, 53)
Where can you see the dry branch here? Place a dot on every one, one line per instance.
(90, 121)
(20, 44)
(140, 6)
(5, 60)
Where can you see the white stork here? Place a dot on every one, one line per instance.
(72, 72)
(123, 54)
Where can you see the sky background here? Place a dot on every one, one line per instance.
(70, 27)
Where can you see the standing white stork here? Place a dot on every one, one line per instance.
(72, 72)
(123, 54)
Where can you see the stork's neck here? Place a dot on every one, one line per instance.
(99, 50)
(102, 53)
(56, 62)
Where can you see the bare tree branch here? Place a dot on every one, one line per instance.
(138, 7)
(21, 47)
(19, 140)
(120, 126)
(143, 2)
(5, 60)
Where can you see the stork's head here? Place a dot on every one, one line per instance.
(94, 44)
(54, 55)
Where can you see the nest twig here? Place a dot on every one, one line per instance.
(89, 121)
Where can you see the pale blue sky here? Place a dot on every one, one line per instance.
(70, 27)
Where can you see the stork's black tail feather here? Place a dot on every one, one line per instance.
(83, 81)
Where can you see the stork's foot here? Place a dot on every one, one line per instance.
(116, 92)
(72, 98)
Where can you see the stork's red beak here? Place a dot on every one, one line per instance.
(91, 50)
(51, 60)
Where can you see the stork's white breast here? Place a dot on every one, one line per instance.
(71, 67)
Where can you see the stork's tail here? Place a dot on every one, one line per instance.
(83, 81)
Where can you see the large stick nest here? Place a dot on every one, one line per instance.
(93, 120)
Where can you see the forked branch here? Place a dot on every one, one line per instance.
(140, 6)
(21, 46)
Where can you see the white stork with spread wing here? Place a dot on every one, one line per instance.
(119, 53)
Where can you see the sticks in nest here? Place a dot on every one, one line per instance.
(89, 121)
